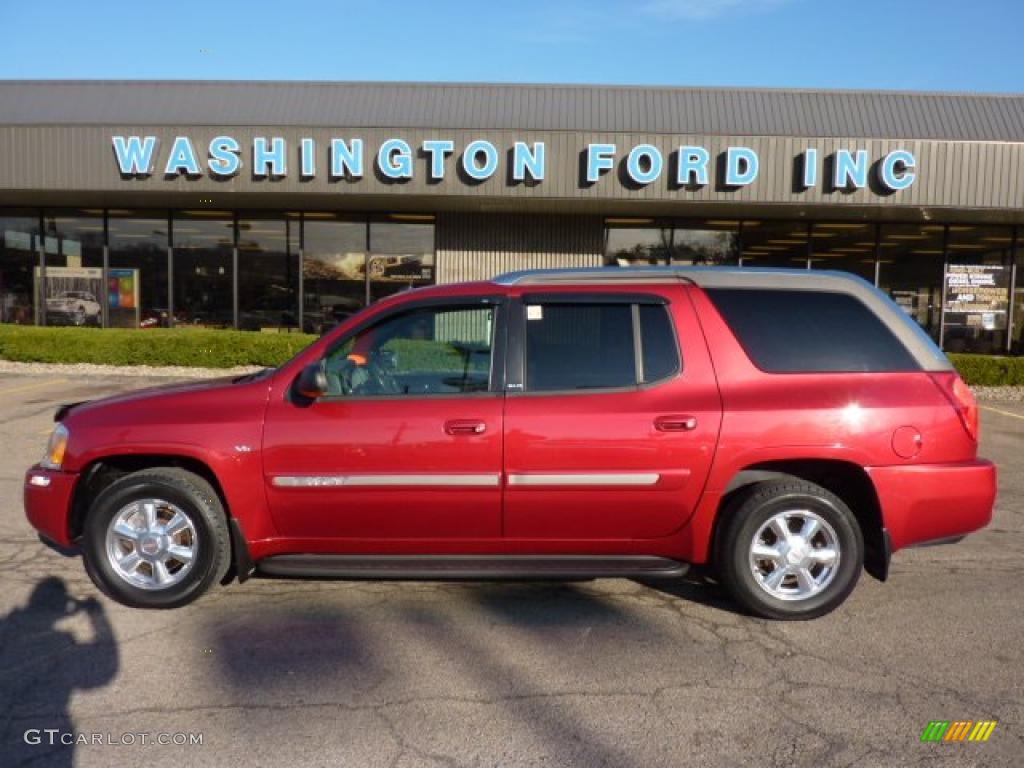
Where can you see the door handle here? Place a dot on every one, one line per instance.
(675, 423)
(465, 427)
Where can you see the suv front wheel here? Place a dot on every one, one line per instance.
(790, 549)
(156, 538)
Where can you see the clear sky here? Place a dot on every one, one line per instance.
(897, 44)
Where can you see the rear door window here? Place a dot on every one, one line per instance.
(658, 343)
(810, 332)
(585, 346)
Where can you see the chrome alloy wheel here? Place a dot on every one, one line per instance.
(794, 555)
(151, 544)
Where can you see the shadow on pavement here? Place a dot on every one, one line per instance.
(41, 665)
(433, 658)
(695, 587)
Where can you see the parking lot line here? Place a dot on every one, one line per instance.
(1004, 413)
(35, 385)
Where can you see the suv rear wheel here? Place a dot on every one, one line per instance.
(790, 549)
(157, 538)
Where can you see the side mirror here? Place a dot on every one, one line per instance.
(312, 382)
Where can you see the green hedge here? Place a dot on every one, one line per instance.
(158, 346)
(990, 371)
(225, 349)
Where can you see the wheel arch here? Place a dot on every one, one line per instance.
(845, 479)
(101, 472)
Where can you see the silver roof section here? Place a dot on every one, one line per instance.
(695, 111)
(921, 346)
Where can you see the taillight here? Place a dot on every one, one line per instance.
(961, 398)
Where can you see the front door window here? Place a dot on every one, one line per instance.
(429, 351)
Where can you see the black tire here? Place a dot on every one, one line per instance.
(196, 499)
(752, 509)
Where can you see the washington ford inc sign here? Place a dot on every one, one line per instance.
(396, 160)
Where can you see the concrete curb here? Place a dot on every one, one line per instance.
(121, 371)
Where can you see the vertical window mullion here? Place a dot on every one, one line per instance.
(1014, 266)
(638, 349)
(302, 271)
(234, 271)
(41, 287)
(104, 297)
(170, 269)
(945, 269)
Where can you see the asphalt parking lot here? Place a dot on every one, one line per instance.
(601, 673)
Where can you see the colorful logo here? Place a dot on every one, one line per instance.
(958, 730)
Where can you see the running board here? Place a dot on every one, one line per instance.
(469, 567)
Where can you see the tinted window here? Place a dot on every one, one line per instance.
(425, 352)
(579, 346)
(794, 331)
(660, 350)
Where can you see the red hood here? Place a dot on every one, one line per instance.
(186, 390)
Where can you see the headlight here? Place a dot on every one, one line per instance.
(56, 447)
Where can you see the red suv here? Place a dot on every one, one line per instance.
(784, 428)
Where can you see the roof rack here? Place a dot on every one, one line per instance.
(726, 276)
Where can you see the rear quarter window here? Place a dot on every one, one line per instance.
(810, 332)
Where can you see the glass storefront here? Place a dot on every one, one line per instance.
(646, 242)
(981, 256)
(333, 270)
(706, 242)
(784, 244)
(629, 245)
(203, 243)
(401, 255)
(137, 282)
(268, 273)
(913, 263)
(844, 246)
(286, 271)
(73, 291)
(19, 261)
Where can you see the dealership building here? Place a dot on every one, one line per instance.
(278, 206)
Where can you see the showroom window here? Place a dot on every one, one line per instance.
(350, 262)
(19, 265)
(646, 242)
(203, 244)
(710, 242)
(776, 244)
(978, 275)
(636, 243)
(844, 246)
(74, 289)
(137, 280)
(401, 254)
(333, 269)
(910, 270)
(268, 273)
